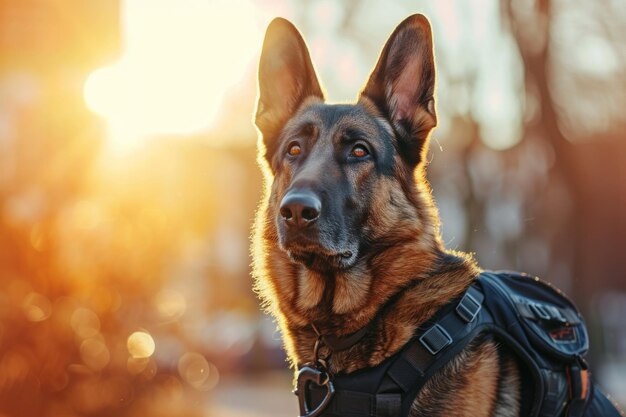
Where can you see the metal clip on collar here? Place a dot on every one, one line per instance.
(314, 373)
(306, 376)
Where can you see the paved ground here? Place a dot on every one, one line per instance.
(267, 396)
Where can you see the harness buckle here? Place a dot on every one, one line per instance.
(435, 339)
(548, 313)
(540, 311)
(321, 378)
(469, 307)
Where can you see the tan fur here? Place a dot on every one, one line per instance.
(351, 290)
(454, 391)
(311, 289)
(509, 396)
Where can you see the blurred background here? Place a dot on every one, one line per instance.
(128, 184)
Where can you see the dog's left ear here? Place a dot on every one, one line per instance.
(402, 85)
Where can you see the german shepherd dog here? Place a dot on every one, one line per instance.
(347, 234)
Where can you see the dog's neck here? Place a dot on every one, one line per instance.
(414, 300)
(405, 262)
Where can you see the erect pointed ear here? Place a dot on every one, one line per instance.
(286, 78)
(402, 85)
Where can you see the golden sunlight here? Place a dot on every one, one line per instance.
(178, 63)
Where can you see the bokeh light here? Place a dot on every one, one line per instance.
(140, 345)
(94, 353)
(170, 304)
(85, 323)
(36, 307)
(194, 369)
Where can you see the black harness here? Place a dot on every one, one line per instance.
(536, 321)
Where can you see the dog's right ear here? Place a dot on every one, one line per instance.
(286, 78)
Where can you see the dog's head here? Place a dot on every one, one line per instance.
(345, 194)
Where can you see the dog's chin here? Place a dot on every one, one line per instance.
(321, 260)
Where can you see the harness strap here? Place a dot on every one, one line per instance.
(360, 404)
(388, 405)
(444, 339)
(579, 388)
(446, 335)
(345, 402)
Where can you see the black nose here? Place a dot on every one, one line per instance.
(300, 208)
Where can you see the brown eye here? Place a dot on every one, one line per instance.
(294, 149)
(359, 151)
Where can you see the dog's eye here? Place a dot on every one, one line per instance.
(294, 149)
(359, 151)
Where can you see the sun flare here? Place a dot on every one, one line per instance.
(178, 63)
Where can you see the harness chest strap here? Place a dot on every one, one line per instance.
(407, 371)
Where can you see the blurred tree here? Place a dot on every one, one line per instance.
(587, 163)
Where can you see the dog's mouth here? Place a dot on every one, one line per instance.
(318, 258)
(317, 251)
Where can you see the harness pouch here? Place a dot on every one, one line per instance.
(550, 320)
(536, 316)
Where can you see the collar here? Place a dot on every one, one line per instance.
(339, 343)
